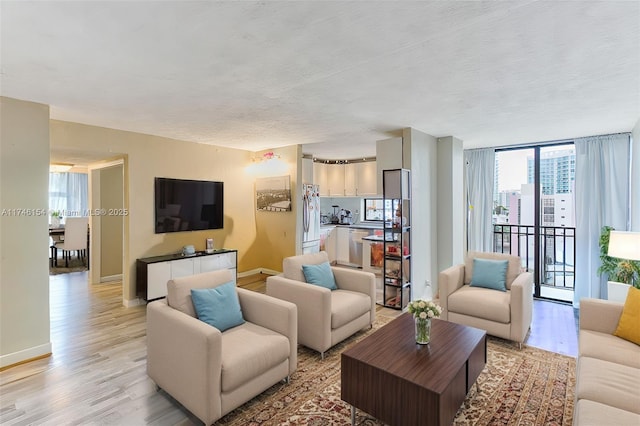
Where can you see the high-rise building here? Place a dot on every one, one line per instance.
(557, 171)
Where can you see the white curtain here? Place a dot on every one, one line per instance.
(479, 182)
(69, 193)
(602, 198)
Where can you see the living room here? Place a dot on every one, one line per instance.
(35, 128)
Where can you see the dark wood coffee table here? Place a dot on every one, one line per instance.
(399, 382)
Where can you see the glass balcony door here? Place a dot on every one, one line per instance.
(533, 215)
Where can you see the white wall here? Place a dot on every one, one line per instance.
(420, 155)
(635, 178)
(24, 241)
(450, 202)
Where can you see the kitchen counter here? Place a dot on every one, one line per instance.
(359, 225)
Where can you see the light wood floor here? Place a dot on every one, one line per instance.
(97, 373)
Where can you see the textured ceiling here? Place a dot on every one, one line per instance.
(333, 76)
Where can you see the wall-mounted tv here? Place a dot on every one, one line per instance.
(188, 205)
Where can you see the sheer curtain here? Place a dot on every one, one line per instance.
(479, 176)
(69, 193)
(602, 198)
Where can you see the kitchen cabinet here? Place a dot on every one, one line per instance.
(360, 179)
(335, 180)
(397, 239)
(320, 178)
(328, 237)
(342, 245)
(153, 273)
(350, 180)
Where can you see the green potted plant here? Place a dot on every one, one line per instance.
(55, 218)
(621, 273)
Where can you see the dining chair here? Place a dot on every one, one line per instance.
(75, 239)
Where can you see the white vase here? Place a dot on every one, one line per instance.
(616, 291)
(55, 222)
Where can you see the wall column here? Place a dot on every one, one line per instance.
(24, 241)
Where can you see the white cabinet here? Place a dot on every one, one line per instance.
(320, 178)
(342, 245)
(350, 180)
(328, 236)
(366, 178)
(157, 274)
(335, 180)
(153, 273)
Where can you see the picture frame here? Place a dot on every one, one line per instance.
(273, 194)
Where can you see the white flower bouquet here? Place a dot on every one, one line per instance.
(424, 309)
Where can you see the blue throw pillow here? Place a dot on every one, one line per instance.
(320, 275)
(490, 274)
(218, 306)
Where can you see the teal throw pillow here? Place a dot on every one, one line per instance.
(320, 275)
(218, 306)
(490, 274)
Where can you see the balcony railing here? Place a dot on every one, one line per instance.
(557, 265)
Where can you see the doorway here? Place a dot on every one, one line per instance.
(533, 214)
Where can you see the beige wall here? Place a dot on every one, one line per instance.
(261, 240)
(24, 242)
(111, 225)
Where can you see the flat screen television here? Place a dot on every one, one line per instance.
(188, 205)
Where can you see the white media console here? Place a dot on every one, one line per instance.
(152, 273)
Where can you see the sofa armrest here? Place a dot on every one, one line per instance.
(358, 281)
(184, 357)
(600, 315)
(449, 280)
(521, 306)
(277, 315)
(314, 309)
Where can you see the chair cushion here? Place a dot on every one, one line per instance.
(320, 275)
(219, 306)
(513, 270)
(628, 328)
(590, 413)
(179, 289)
(481, 303)
(490, 274)
(346, 306)
(248, 351)
(292, 266)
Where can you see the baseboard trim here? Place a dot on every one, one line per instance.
(258, 271)
(110, 278)
(132, 303)
(24, 356)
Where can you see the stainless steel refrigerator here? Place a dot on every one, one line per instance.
(310, 218)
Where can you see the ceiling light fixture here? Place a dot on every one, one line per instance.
(60, 167)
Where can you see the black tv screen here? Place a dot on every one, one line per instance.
(188, 205)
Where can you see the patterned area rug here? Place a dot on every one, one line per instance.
(524, 387)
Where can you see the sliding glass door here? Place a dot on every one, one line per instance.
(533, 215)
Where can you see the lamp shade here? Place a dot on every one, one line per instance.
(624, 245)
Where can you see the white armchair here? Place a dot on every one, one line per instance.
(325, 317)
(211, 372)
(503, 314)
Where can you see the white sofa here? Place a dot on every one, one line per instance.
(608, 372)
(325, 317)
(505, 314)
(212, 372)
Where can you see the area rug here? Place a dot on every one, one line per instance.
(517, 387)
(75, 265)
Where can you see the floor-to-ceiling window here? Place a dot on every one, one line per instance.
(533, 214)
(69, 193)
